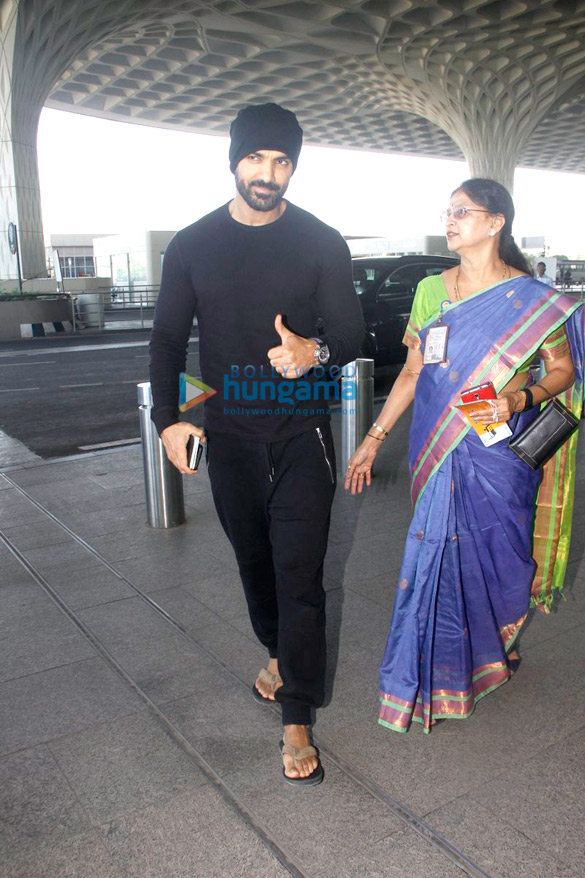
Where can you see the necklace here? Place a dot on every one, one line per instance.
(456, 292)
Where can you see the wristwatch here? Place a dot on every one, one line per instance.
(321, 352)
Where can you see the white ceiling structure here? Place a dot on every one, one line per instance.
(499, 83)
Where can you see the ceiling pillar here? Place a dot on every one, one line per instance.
(20, 201)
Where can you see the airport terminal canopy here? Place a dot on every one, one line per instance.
(496, 83)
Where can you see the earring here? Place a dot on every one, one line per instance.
(492, 233)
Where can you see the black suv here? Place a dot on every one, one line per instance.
(386, 286)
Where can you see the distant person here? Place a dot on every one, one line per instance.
(79, 324)
(468, 574)
(542, 276)
(567, 277)
(241, 269)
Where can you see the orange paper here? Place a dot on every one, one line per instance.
(483, 407)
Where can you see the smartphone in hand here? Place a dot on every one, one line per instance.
(481, 391)
(194, 452)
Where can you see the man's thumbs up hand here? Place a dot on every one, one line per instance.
(294, 356)
(283, 332)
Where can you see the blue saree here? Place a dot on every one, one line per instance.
(465, 582)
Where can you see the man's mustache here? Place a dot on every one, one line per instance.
(273, 187)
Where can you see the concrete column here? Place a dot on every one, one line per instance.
(491, 133)
(485, 73)
(487, 152)
(497, 167)
(20, 201)
(8, 203)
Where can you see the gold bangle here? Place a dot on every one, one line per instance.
(412, 372)
(377, 438)
(380, 429)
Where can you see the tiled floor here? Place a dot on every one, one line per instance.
(130, 744)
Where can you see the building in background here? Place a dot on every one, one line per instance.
(132, 259)
(76, 254)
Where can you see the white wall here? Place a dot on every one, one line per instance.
(156, 243)
(141, 248)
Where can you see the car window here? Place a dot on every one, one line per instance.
(404, 280)
(367, 278)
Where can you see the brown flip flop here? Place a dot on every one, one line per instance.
(297, 754)
(270, 680)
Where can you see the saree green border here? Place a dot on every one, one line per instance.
(408, 714)
(452, 716)
(552, 564)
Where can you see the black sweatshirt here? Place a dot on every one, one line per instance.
(236, 278)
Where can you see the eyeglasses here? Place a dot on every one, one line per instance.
(460, 213)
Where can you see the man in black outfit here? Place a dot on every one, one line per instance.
(259, 273)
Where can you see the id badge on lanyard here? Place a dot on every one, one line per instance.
(435, 350)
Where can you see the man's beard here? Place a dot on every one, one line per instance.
(263, 201)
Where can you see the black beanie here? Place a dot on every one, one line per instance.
(265, 126)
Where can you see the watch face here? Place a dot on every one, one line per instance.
(321, 352)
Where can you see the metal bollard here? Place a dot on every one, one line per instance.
(165, 505)
(358, 409)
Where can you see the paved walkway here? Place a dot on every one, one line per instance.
(130, 744)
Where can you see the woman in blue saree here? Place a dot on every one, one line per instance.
(489, 536)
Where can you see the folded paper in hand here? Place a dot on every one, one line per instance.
(488, 433)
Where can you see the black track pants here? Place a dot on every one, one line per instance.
(274, 502)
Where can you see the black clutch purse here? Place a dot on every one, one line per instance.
(545, 435)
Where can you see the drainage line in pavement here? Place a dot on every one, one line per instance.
(415, 823)
(145, 597)
(220, 787)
